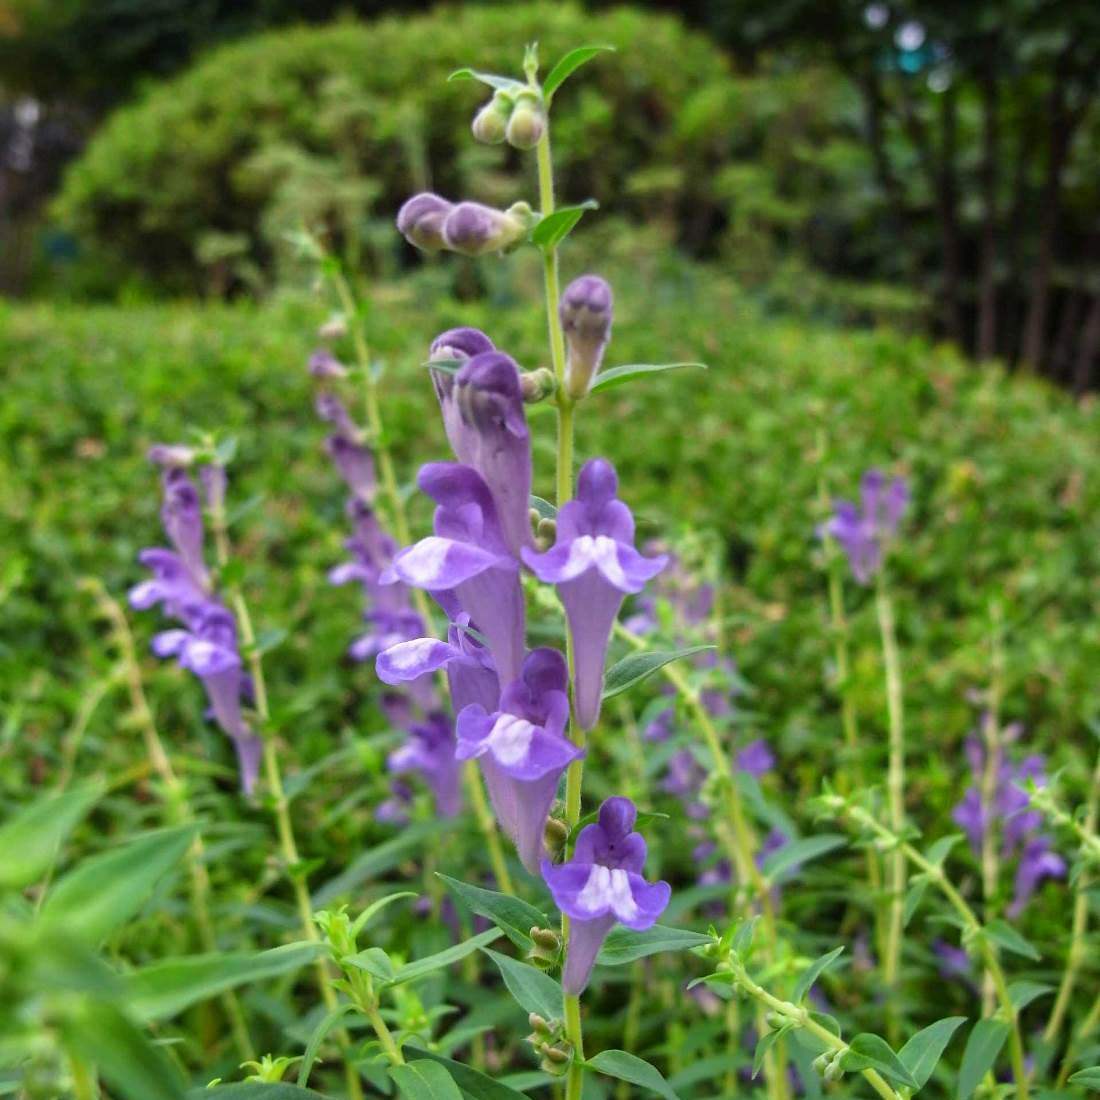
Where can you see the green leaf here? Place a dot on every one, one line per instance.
(375, 962)
(1090, 1078)
(1022, 993)
(913, 897)
(766, 1042)
(255, 1090)
(533, 990)
(617, 376)
(628, 1067)
(544, 508)
(374, 862)
(104, 892)
(795, 852)
(166, 988)
(554, 228)
(813, 972)
(502, 83)
(31, 838)
(924, 1050)
(982, 1048)
(317, 1037)
(942, 848)
(869, 1051)
(515, 916)
(424, 1080)
(1002, 933)
(376, 907)
(624, 945)
(636, 667)
(130, 1064)
(420, 968)
(470, 1081)
(568, 65)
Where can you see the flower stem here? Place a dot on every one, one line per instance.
(1077, 946)
(488, 828)
(895, 777)
(799, 1016)
(574, 1033)
(280, 804)
(972, 926)
(991, 736)
(177, 805)
(366, 999)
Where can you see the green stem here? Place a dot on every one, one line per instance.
(802, 1019)
(177, 804)
(1088, 1026)
(84, 1080)
(488, 829)
(574, 1082)
(895, 778)
(280, 804)
(366, 999)
(991, 736)
(973, 928)
(1077, 947)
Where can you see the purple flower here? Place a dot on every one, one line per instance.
(324, 365)
(601, 885)
(430, 752)
(684, 779)
(523, 749)
(167, 455)
(395, 809)
(756, 758)
(660, 727)
(863, 531)
(593, 564)
(585, 313)
(469, 554)
(486, 425)
(1037, 862)
(353, 461)
(420, 220)
(471, 674)
(474, 229)
(181, 515)
(172, 584)
(954, 962)
(208, 648)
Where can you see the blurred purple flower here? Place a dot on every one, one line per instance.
(863, 530)
(661, 725)
(756, 758)
(585, 311)
(593, 564)
(601, 885)
(429, 751)
(523, 749)
(1037, 862)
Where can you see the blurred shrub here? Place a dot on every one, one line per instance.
(198, 185)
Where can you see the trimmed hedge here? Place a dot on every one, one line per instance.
(339, 124)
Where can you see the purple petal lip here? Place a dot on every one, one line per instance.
(420, 220)
(460, 343)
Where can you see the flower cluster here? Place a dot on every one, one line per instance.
(205, 642)
(512, 703)
(428, 750)
(1009, 812)
(864, 530)
(433, 224)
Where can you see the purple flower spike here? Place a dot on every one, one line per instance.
(181, 514)
(864, 531)
(601, 885)
(1037, 862)
(594, 564)
(420, 220)
(468, 553)
(354, 463)
(208, 648)
(523, 749)
(324, 365)
(430, 752)
(585, 313)
(491, 435)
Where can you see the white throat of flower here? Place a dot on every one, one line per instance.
(600, 551)
(608, 887)
(510, 738)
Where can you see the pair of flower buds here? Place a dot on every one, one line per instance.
(519, 119)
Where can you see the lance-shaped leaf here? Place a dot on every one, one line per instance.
(533, 990)
(424, 1080)
(568, 65)
(514, 916)
(925, 1049)
(29, 841)
(982, 1048)
(617, 376)
(635, 1070)
(636, 667)
(550, 231)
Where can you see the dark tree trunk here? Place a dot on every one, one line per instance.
(1088, 348)
(947, 201)
(986, 336)
(1061, 125)
(1066, 337)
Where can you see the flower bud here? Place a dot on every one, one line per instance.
(460, 343)
(335, 328)
(323, 364)
(537, 385)
(585, 313)
(171, 455)
(557, 832)
(539, 1025)
(546, 938)
(528, 121)
(420, 220)
(474, 229)
(491, 121)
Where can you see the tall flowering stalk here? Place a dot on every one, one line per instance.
(864, 532)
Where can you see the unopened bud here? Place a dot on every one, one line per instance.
(491, 121)
(537, 385)
(335, 328)
(556, 832)
(585, 311)
(323, 364)
(539, 1025)
(558, 1055)
(460, 343)
(171, 455)
(474, 229)
(528, 121)
(821, 1063)
(546, 938)
(420, 220)
(834, 1069)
